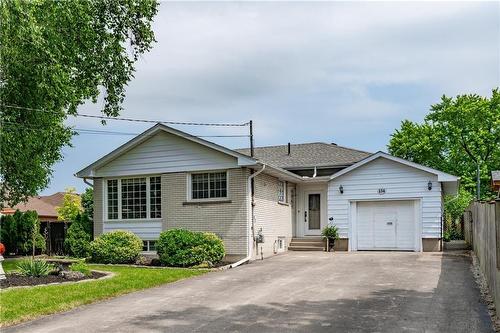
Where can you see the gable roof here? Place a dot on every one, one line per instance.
(243, 160)
(45, 206)
(442, 176)
(307, 155)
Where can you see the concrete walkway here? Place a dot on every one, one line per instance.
(298, 292)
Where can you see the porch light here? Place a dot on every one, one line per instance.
(429, 185)
(341, 189)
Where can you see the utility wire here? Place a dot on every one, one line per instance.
(106, 132)
(132, 119)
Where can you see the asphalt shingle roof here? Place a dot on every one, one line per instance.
(307, 155)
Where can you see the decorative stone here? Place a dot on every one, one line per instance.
(70, 275)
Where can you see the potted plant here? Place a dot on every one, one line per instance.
(331, 233)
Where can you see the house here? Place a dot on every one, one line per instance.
(45, 206)
(495, 182)
(165, 178)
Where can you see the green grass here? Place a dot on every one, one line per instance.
(17, 305)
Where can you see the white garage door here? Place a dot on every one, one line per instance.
(386, 225)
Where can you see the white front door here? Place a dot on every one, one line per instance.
(312, 213)
(386, 225)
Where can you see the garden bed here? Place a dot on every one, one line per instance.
(17, 280)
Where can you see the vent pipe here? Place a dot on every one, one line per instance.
(288, 148)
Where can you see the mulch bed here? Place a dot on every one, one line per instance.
(16, 280)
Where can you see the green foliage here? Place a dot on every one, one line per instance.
(34, 268)
(78, 237)
(330, 232)
(81, 267)
(454, 207)
(184, 248)
(88, 202)
(55, 56)
(8, 233)
(71, 207)
(456, 135)
(116, 247)
(446, 236)
(18, 231)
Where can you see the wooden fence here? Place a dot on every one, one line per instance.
(482, 232)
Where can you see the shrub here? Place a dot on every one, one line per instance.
(81, 267)
(77, 242)
(330, 232)
(34, 268)
(17, 233)
(184, 248)
(116, 247)
(8, 233)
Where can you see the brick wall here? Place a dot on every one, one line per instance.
(226, 219)
(274, 218)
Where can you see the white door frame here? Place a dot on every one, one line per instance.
(307, 231)
(353, 245)
(302, 192)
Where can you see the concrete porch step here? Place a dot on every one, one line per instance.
(307, 244)
(305, 248)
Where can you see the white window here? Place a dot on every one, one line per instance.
(282, 191)
(128, 199)
(148, 246)
(281, 244)
(155, 197)
(209, 185)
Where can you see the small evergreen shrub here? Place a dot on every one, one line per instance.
(34, 268)
(81, 267)
(184, 248)
(77, 242)
(116, 247)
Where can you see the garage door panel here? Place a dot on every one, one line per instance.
(386, 225)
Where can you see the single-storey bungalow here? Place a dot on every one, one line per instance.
(279, 199)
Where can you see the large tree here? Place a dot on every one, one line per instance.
(458, 135)
(54, 56)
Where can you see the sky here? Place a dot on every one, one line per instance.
(343, 72)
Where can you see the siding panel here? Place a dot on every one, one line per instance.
(399, 181)
(163, 153)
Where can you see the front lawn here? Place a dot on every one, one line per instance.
(23, 304)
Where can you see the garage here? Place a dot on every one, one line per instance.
(386, 225)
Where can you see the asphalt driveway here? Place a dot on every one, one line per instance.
(298, 292)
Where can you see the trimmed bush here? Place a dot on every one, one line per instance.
(18, 231)
(184, 248)
(81, 267)
(77, 242)
(34, 268)
(116, 247)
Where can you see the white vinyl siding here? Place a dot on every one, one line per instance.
(163, 153)
(399, 181)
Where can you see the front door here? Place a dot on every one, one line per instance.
(312, 214)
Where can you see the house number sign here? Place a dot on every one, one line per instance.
(381, 191)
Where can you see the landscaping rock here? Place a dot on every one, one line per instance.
(70, 275)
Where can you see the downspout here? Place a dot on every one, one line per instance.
(87, 182)
(250, 216)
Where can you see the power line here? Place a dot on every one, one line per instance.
(106, 132)
(132, 119)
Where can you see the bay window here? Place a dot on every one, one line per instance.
(134, 198)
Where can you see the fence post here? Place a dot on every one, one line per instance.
(497, 231)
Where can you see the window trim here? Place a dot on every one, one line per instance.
(148, 199)
(285, 192)
(189, 180)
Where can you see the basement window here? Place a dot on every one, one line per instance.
(148, 246)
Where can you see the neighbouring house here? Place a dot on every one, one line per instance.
(495, 182)
(51, 228)
(280, 199)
